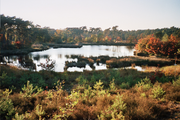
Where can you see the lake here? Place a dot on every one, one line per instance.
(60, 55)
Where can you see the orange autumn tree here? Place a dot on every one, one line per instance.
(170, 47)
(152, 45)
(141, 44)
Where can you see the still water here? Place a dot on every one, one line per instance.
(60, 55)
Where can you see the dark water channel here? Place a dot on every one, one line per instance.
(61, 55)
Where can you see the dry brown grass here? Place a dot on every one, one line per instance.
(136, 60)
(171, 70)
(141, 108)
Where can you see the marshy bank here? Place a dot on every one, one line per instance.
(64, 45)
(24, 50)
(138, 61)
(118, 62)
(36, 47)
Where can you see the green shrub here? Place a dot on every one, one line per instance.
(28, 90)
(143, 94)
(65, 76)
(6, 105)
(81, 80)
(112, 86)
(115, 111)
(93, 80)
(99, 89)
(144, 85)
(39, 111)
(88, 94)
(5, 80)
(158, 92)
(114, 74)
(125, 85)
(66, 111)
(23, 79)
(177, 82)
(163, 79)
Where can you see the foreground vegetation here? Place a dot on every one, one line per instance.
(112, 94)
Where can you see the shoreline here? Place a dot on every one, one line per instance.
(19, 51)
(47, 46)
(118, 44)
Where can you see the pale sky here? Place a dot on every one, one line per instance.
(127, 14)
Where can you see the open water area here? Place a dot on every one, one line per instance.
(61, 55)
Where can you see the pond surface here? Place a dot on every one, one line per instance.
(60, 55)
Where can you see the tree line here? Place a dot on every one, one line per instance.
(16, 32)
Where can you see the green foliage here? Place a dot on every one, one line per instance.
(81, 80)
(98, 86)
(144, 85)
(143, 94)
(129, 80)
(6, 105)
(114, 74)
(23, 79)
(93, 79)
(65, 76)
(68, 109)
(112, 86)
(115, 111)
(118, 104)
(39, 111)
(177, 82)
(158, 92)
(28, 90)
(125, 85)
(88, 94)
(50, 94)
(99, 89)
(5, 80)
(59, 86)
(126, 81)
(165, 38)
(163, 79)
(35, 78)
(74, 95)
(19, 117)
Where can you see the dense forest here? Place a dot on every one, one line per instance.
(19, 33)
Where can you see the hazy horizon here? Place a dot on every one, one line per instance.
(127, 15)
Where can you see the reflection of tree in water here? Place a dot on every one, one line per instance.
(45, 56)
(59, 55)
(73, 56)
(37, 57)
(116, 49)
(26, 62)
(130, 48)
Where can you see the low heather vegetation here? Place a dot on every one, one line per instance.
(111, 94)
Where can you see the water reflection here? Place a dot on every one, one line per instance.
(21, 61)
(61, 55)
(130, 47)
